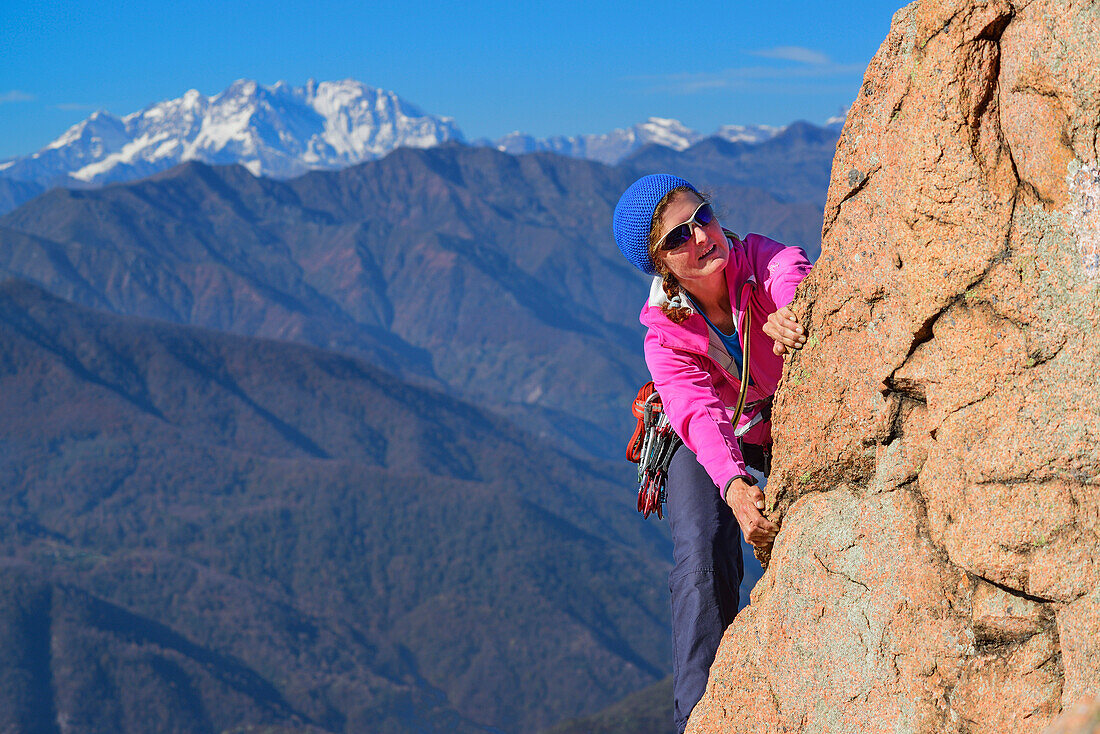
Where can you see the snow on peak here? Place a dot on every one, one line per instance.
(278, 131)
(748, 133)
(618, 144)
(667, 132)
(283, 131)
(609, 148)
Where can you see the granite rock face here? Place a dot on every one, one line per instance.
(1081, 718)
(937, 470)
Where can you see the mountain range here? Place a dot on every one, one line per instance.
(617, 145)
(211, 531)
(467, 269)
(341, 452)
(282, 131)
(460, 267)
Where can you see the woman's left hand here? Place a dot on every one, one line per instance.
(783, 328)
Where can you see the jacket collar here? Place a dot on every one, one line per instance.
(693, 334)
(660, 299)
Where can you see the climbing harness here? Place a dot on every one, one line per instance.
(651, 448)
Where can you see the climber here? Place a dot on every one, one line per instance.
(715, 296)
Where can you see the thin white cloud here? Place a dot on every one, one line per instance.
(15, 96)
(745, 77)
(794, 53)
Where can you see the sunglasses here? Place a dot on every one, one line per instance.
(681, 233)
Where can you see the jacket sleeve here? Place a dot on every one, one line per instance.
(778, 268)
(695, 411)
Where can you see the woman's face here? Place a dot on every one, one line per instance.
(704, 253)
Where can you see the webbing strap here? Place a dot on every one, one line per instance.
(717, 352)
(744, 364)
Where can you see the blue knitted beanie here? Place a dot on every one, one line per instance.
(634, 216)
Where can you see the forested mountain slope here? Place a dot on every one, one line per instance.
(249, 531)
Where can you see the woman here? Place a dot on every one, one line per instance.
(711, 288)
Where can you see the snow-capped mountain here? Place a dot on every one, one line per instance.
(283, 131)
(609, 148)
(279, 131)
(748, 133)
(618, 144)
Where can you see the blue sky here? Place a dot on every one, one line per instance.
(543, 68)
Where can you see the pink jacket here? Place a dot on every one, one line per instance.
(698, 390)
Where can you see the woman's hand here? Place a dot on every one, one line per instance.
(747, 501)
(783, 328)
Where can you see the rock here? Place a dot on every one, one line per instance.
(1079, 631)
(937, 464)
(1081, 718)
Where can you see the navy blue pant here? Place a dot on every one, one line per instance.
(706, 549)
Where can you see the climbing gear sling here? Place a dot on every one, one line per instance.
(651, 448)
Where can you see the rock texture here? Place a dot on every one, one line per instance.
(1081, 718)
(937, 466)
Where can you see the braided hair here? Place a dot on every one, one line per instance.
(669, 284)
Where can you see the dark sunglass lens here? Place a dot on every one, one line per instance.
(677, 237)
(704, 215)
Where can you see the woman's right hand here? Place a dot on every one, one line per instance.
(747, 501)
